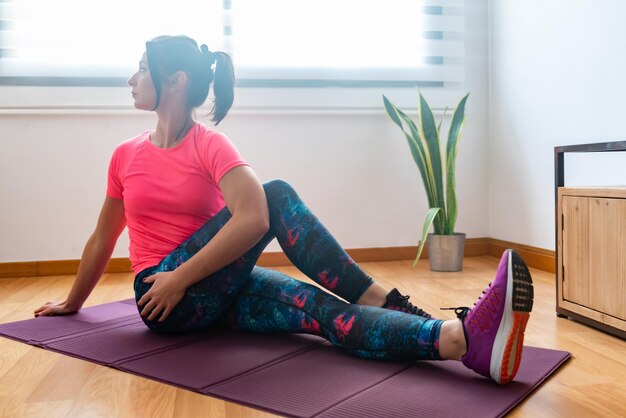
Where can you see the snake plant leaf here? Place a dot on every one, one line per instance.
(418, 157)
(392, 111)
(431, 136)
(430, 217)
(415, 144)
(445, 110)
(422, 162)
(454, 135)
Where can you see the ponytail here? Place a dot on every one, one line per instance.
(223, 86)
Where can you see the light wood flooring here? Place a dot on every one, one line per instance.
(38, 383)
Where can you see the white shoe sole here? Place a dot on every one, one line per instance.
(506, 352)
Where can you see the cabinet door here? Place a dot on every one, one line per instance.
(594, 252)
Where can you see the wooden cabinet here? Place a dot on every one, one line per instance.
(591, 245)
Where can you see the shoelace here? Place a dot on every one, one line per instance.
(410, 308)
(478, 320)
(462, 311)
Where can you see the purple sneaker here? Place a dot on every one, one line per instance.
(397, 302)
(494, 327)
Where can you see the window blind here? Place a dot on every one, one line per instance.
(274, 43)
(77, 42)
(346, 42)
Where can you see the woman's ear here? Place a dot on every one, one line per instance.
(178, 79)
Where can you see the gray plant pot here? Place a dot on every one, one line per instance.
(445, 252)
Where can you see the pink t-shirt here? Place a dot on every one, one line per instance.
(169, 193)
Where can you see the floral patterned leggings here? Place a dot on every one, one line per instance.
(246, 297)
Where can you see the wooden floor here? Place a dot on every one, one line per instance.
(36, 382)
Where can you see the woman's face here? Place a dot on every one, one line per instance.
(143, 90)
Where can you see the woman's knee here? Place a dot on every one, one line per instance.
(278, 187)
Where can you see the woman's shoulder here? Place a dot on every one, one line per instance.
(206, 133)
(131, 144)
(215, 150)
(208, 139)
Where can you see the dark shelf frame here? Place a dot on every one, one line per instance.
(559, 181)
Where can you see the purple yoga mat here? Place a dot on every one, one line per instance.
(308, 384)
(292, 375)
(220, 356)
(113, 345)
(449, 389)
(45, 329)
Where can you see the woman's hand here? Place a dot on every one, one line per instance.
(55, 308)
(163, 297)
(96, 255)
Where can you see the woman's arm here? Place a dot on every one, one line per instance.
(246, 201)
(96, 255)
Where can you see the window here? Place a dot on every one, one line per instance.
(274, 43)
(330, 42)
(64, 41)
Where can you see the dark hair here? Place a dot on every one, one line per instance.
(168, 54)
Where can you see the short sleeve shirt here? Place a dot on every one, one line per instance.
(169, 193)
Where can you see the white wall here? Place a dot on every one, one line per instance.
(557, 77)
(352, 167)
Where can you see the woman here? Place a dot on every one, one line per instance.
(198, 220)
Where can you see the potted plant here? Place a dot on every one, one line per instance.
(445, 246)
